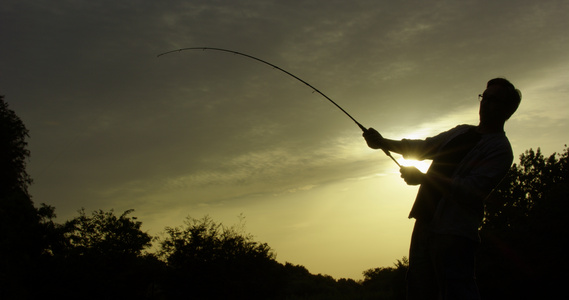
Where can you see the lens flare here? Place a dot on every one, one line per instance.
(423, 165)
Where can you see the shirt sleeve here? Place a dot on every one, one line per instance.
(427, 148)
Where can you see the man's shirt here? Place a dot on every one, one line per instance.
(459, 208)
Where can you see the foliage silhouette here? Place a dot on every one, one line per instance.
(13, 151)
(102, 254)
(20, 229)
(206, 255)
(387, 282)
(106, 235)
(524, 232)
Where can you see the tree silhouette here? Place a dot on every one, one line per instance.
(102, 254)
(218, 262)
(105, 235)
(20, 229)
(524, 232)
(13, 151)
(387, 282)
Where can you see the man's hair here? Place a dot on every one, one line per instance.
(512, 96)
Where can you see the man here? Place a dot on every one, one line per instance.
(468, 162)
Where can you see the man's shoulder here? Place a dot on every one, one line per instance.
(457, 130)
(464, 127)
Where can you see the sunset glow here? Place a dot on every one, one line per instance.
(202, 133)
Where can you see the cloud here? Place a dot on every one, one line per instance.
(113, 125)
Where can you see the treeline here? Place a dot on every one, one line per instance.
(103, 255)
(106, 256)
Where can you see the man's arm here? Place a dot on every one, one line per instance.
(411, 175)
(376, 141)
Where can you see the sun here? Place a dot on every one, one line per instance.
(423, 165)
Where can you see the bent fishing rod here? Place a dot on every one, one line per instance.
(364, 129)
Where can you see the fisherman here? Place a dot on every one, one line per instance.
(468, 162)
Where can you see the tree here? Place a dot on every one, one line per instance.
(104, 235)
(524, 233)
(387, 282)
(526, 185)
(103, 254)
(20, 230)
(13, 152)
(215, 261)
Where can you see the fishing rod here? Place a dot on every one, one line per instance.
(363, 128)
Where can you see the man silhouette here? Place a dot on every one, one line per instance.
(468, 162)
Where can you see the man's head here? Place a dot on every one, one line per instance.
(500, 99)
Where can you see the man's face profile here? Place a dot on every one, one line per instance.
(492, 106)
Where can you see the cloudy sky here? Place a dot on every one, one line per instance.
(200, 133)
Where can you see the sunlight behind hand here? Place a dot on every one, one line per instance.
(423, 166)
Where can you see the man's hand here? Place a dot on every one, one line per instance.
(373, 138)
(412, 175)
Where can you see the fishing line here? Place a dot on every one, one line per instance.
(364, 129)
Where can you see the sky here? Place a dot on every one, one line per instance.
(197, 133)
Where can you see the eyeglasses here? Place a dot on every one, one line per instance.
(490, 98)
